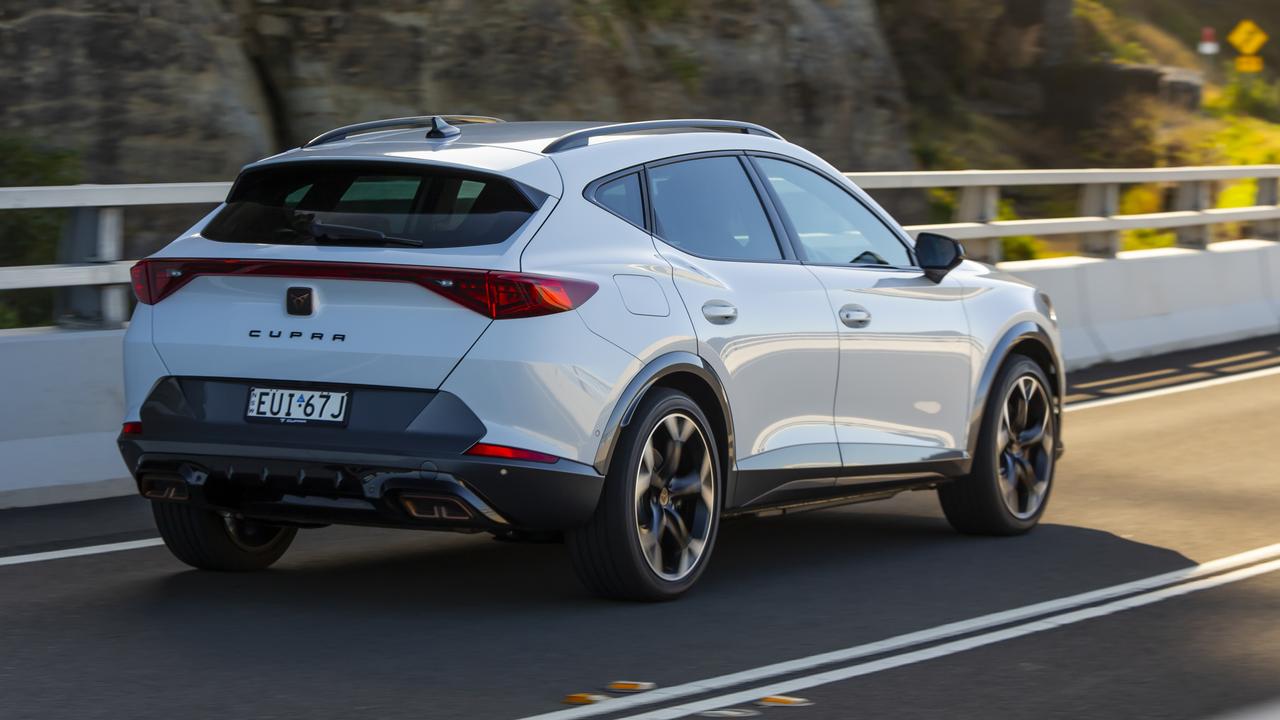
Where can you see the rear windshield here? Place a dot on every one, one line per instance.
(369, 204)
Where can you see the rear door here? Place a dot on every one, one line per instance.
(903, 395)
(761, 318)
(310, 272)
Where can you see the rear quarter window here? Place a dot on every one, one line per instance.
(370, 204)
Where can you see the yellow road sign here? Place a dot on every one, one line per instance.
(1248, 64)
(1248, 38)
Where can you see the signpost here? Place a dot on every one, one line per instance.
(1208, 41)
(1248, 38)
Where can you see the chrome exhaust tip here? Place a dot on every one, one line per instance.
(433, 507)
(164, 487)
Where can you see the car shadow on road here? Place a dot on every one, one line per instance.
(887, 557)
(491, 627)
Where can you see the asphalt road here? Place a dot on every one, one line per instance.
(360, 623)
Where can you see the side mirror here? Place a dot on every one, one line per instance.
(938, 255)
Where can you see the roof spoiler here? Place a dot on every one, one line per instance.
(439, 124)
(580, 138)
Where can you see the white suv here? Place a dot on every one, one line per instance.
(622, 332)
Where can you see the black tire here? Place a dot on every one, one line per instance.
(607, 552)
(206, 540)
(978, 503)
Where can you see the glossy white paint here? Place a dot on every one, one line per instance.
(545, 383)
(905, 376)
(142, 366)
(777, 359)
(582, 240)
(362, 332)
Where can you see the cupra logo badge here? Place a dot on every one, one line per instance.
(297, 301)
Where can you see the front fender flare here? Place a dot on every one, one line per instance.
(1020, 332)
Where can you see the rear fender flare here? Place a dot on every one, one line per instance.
(650, 375)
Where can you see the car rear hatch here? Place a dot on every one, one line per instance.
(348, 272)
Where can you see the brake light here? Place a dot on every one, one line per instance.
(131, 428)
(509, 453)
(498, 295)
(503, 296)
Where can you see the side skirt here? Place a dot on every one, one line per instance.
(870, 492)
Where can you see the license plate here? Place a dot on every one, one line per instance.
(291, 406)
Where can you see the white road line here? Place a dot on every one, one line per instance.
(1269, 711)
(958, 646)
(80, 551)
(1147, 394)
(935, 634)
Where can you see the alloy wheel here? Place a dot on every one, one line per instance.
(1024, 443)
(675, 496)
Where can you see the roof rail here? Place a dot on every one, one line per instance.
(437, 123)
(579, 138)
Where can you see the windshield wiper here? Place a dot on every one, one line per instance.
(326, 233)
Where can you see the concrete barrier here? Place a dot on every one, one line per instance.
(1152, 301)
(1063, 279)
(62, 404)
(63, 397)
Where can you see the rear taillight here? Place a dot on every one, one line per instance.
(509, 453)
(503, 295)
(499, 295)
(131, 428)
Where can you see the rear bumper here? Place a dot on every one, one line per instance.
(399, 463)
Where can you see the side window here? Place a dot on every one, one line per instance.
(708, 207)
(834, 227)
(622, 196)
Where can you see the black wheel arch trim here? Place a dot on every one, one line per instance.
(1022, 332)
(651, 374)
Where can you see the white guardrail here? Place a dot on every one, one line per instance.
(1111, 305)
(1098, 225)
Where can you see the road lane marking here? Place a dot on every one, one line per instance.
(901, 642)
(1147, 394)
(1269, 711)
(80, 551)
(951, 648)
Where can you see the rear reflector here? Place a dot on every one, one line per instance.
(131, 428)
(509, 453)
(499, 295)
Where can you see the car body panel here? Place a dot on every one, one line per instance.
(904, 378)
(786, 333)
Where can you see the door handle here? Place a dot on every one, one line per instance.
(719, 312)
(855, 316)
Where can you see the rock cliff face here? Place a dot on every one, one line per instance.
(167, 91)
(143, 91)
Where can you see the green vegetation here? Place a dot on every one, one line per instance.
(30, 237)
(969, 123)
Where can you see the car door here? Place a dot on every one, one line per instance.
(902, 400)
(761, 318)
